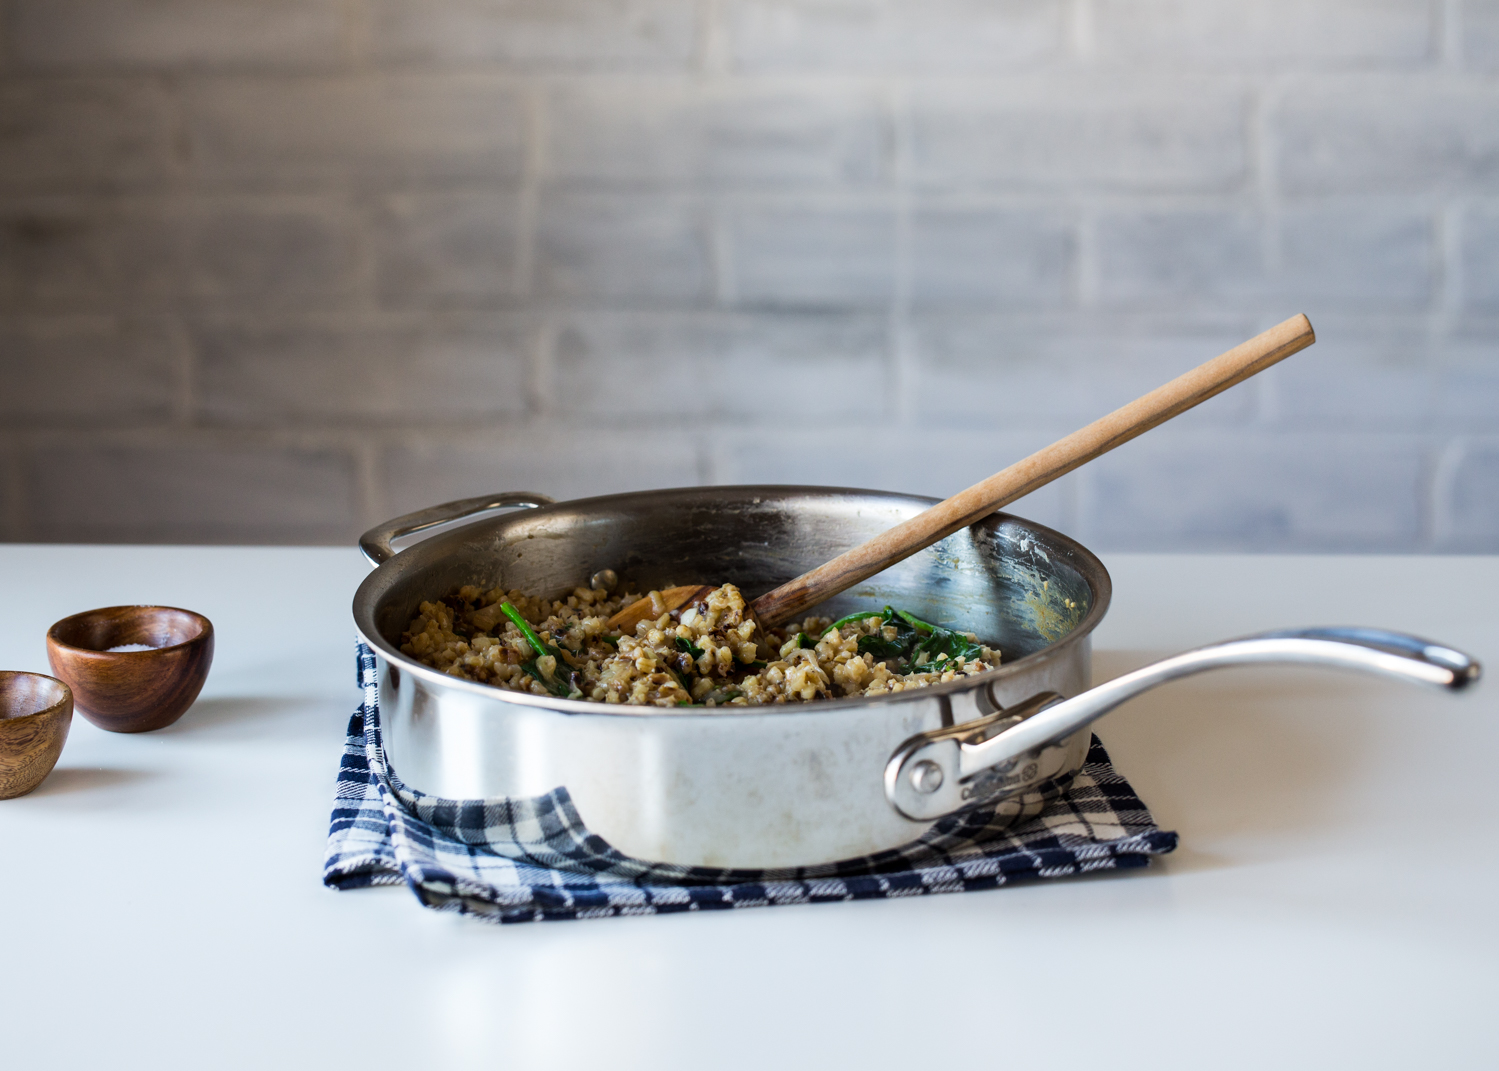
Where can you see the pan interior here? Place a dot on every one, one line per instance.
(1020, 586)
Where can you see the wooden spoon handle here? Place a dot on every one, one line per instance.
(1020, 479)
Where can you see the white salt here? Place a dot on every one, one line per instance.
(131, 647)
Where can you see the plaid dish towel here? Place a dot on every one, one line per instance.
(519, 860)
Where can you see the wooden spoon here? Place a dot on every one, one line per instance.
(964, 508)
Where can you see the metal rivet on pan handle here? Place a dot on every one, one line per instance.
(926, 777)
(930, 776)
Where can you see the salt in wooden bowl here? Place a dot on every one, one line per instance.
(147, 686)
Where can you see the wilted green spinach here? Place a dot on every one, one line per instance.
(567, 679)
(916, 646)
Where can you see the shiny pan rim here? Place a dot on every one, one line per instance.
(1087, 563)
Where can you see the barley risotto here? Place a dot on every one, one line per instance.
(712, 653)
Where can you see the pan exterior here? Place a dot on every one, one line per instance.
(767, 787)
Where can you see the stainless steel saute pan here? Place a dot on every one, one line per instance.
(793, 785)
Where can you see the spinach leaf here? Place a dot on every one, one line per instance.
(560, 684)
(682, 685)
(508, 609)
(722, 695)
(954, 645)
(684, 644)
(917, 645)
(915, 622)
(855, 617)
(895, 650)
(567, 679)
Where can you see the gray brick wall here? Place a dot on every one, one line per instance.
(275, 270)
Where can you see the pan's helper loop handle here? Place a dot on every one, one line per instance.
(942, 771)
(376, 542)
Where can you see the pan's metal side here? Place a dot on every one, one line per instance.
(790, 787)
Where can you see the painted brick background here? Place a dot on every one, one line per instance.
(275, 270)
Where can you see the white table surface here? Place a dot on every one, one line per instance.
(1333, 902)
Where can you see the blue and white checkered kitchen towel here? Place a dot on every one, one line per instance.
(518, 860)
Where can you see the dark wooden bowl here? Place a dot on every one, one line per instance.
(132, 691)
(36, 712)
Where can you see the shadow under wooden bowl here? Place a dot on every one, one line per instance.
(36, 712)
(139, 690)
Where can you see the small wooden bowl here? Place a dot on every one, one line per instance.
(132, 691)
(36, 712)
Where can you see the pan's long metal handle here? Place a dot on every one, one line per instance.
(937, 773)
(376, 542)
